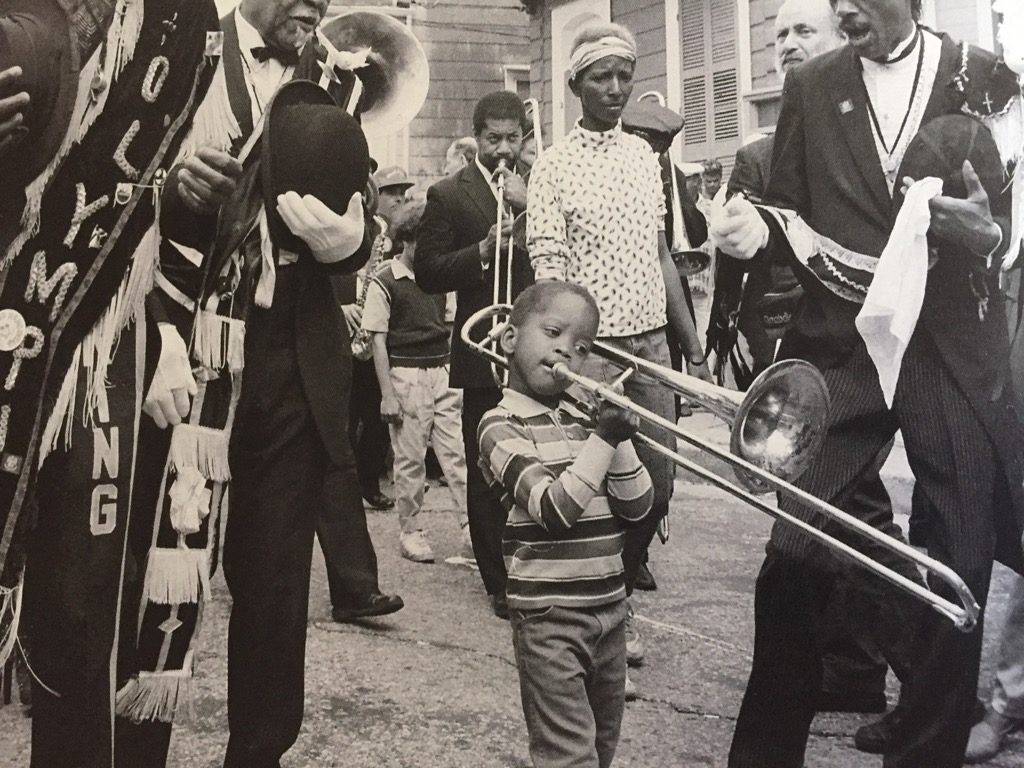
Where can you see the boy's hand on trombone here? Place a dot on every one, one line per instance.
(615, 424)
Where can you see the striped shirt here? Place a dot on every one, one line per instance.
(596, 204)
(565, 491)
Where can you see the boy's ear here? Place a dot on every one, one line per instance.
(508, 339)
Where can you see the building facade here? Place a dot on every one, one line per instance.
(712, 60)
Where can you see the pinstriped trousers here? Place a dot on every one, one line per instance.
(955, 465)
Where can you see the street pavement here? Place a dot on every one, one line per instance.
(435, 685)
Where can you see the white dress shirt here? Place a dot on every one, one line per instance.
(262, 77)
(890, 87)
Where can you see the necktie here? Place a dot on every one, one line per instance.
(262, 53)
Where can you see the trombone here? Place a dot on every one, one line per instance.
(775, 402)
(689, 261)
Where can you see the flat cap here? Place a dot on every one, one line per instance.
(392, 176)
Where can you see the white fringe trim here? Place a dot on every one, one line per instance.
(121, 40)
(203, 448)
(214, 124)
(176, 576)
(10, 617)
(1008, 131)
(159, 696)
(60, 419)
(219, 342)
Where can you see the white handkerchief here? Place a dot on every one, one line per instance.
(889, 315)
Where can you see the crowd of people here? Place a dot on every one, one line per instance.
(238, 313)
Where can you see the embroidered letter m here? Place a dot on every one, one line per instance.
(43, 286)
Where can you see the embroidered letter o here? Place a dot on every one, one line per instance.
(156, 76)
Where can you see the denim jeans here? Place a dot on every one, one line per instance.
(572, 677)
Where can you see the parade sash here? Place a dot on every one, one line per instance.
(85, 224)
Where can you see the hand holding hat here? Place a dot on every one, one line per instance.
(966, 221)
(330, 237)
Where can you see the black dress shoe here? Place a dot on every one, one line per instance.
(867, 703)
(645, 579)
(499, 604)
(874, 738)
(379, 501)
(375, 604)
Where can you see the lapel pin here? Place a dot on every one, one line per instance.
(846, 106)
(214, 43)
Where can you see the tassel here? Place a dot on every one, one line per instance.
(176, 576)
(203, 448)
(157, 696)
(214, 124)
(219, 342)
(190, 501)
(268, 273)
(10, 617)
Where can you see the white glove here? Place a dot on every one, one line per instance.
(169, 398)
(330, 237)
(737, 229)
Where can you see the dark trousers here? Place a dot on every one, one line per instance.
(369, 435)
(954, 462)
(853, 662)
(486, 515)
(84, 561)
(284, 487)
(345, 540)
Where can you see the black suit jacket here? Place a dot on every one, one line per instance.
(825, 166)
(321, 339)
(459, 212)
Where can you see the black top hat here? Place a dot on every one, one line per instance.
(36, 35)
(311, 146)
(940, 148)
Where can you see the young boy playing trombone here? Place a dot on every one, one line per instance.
(567, 488)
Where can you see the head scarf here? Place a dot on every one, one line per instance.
(587, 53)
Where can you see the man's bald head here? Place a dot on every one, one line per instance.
(803, 29)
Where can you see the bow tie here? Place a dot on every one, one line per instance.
(262, 53)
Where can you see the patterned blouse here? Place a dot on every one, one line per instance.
(596, 205)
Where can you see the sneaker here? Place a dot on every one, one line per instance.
(634, 643)
(987, 737)
(631, 690)
(415, 547)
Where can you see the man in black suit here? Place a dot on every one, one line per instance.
(455, 251)
(291, 462)
(838, 147)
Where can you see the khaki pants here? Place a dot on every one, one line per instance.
(432, 411)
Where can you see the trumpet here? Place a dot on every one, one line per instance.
(688, 260)
(780, 424)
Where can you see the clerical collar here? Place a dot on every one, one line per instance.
(904, 48)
